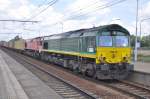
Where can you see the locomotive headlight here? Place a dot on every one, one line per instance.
(102, 59)
(125, 59)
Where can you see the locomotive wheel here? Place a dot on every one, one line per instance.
(90, 72)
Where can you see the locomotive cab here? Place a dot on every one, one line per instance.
(113, 54)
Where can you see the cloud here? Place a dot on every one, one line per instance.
(52, 18)
(24, 9)
(4, 4)
(84, 14)
(13, 10)
(87, 8)
(20, 13)
(145, 11)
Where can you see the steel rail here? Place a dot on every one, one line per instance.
(83, 92)
(125, 87)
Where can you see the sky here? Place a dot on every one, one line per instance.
(66, 15)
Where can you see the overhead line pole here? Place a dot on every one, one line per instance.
(12, 20)
(8, 33)
(137, 8)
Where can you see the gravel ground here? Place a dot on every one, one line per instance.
(100, 90)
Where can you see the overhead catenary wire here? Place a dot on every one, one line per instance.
(89, 6)
(40, 5)
(80, 9)
(49, 4)
(101, 7)
(78, 14)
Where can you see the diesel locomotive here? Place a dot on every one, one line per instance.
(102, 52)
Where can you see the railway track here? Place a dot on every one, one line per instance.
(137, 91)
(60, 86)
(133, 89)
(128, 88)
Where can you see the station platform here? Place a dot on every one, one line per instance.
(16, 82)
(142, 67)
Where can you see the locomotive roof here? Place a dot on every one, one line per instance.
(78, 33)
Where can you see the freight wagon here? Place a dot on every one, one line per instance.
(11, 43)
(4, 43)
(34, 46)
(16, 44)
(19, 44)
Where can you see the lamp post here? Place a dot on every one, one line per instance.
(141, 26)
(135, 52)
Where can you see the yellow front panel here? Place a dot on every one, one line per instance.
(113, 55)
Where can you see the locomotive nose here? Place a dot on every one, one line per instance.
(113, 55)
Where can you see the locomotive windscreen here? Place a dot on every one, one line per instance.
(114, 38)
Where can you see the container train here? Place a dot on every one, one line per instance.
(102, 52)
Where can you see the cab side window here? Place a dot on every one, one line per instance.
(45, 45)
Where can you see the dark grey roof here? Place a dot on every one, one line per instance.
(78, 33)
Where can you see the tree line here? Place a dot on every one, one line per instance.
(144, 41)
